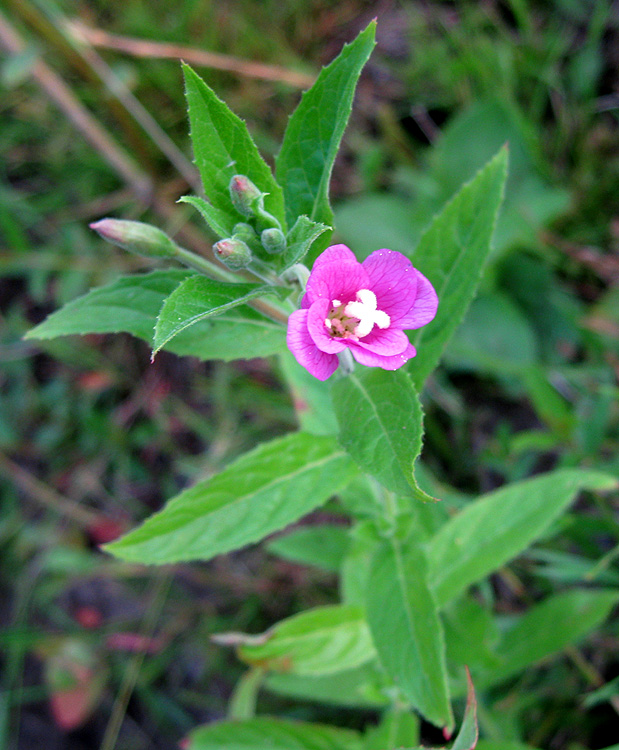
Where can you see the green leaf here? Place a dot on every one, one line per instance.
(381, 427)
(299, 241)
(223, 147)
(197, 298)
(220, 222)
(240, 333)
(507, 346)
(406, 628)
(468, 734)
(547, 628)
(363, 687)
(242, 704)
(275, 734)
(259, 493)
(315, 130)
(131, 304)
(317, 642)
(498, 526)
(323, 546)
(452, 253)
(397, 729)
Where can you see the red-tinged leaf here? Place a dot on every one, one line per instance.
(469, 732)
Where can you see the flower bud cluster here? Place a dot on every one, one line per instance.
(261, 229)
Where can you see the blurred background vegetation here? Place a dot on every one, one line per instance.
(93, 437)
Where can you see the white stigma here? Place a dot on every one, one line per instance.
(364, 309)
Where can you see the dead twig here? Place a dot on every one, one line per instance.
(62, 95)
(45, 495)
(148, 48)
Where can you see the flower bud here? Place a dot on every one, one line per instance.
(244, 194)
(233, 253)
(136, 237)
(244, 232)
(273, 241)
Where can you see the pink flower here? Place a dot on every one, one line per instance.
(364, 307)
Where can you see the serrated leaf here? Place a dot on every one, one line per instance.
(314, 132)
(381, 426)
(223, 148)
(406, 628)
(259, 493)
(452, 253)
(498, 526)
(316, 642)
(131, 304)
(221, 223)
(240, 333)
(549, 627)
(299, 240)
(197, 298)
(275, 734)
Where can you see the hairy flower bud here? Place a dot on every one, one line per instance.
(273, 241)
(233, 253)
(244, 232)
(244, 194)
(136, 237)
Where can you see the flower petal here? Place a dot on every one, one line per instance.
(371, 359)
(320, 364)
(318, 331)
(424, 309)
(394, 282)
(385, 341)
(337, 280)
(334, 254)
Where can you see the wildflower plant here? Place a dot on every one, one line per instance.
(364, 335)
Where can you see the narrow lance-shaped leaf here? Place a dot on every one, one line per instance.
(131, 304)
(275, 734)
(498, 526)
(548, 628)
(197, 298)
(469, 732)
(223, 148)
(406, 628)
(452, 253)
(315, 130)
(381, 426)
(220, 222)
(259, 493)
(316, 642)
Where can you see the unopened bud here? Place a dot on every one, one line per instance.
(244, 194)
(136, 237)
(233, 253)
(244, 232)
(273, 241)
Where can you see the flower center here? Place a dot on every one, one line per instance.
(356, 319)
